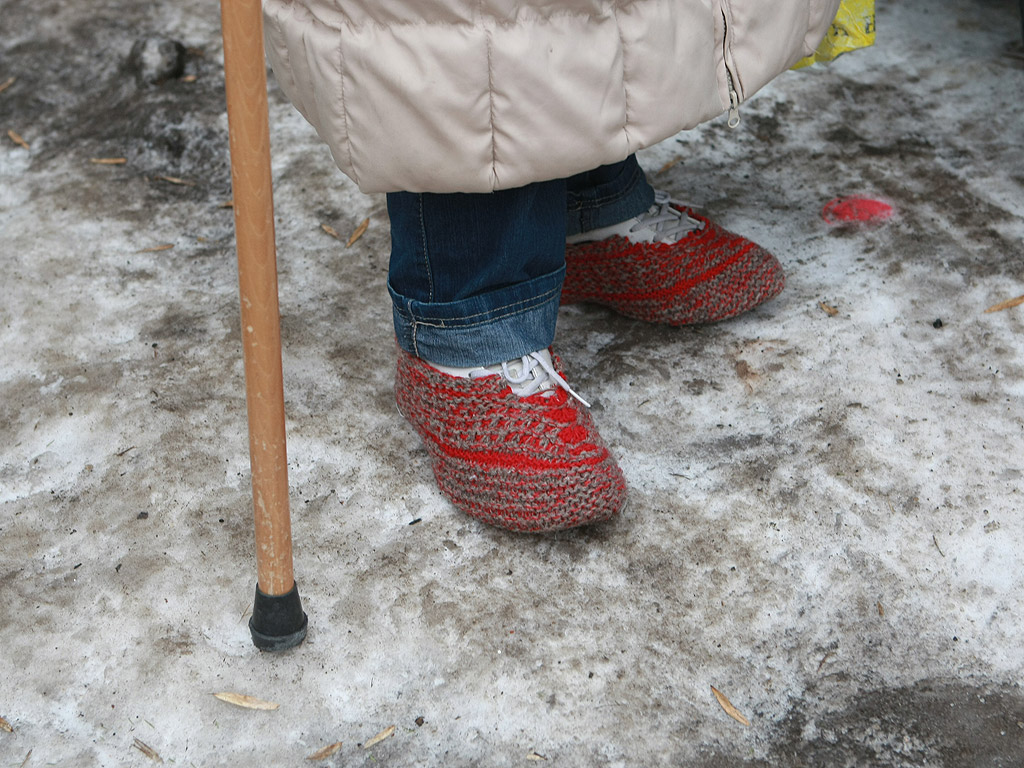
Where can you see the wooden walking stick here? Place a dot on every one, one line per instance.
(277, 619)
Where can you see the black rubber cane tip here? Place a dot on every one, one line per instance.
(277, 621)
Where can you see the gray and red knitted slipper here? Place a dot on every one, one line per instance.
(671, 266)
(530, 462)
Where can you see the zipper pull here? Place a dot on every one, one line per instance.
(734, 103)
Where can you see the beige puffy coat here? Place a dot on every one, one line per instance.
(461, 96)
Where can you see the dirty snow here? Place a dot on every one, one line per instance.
(825, 511)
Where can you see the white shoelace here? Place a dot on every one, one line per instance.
(668, 223)
(530, 375)
(661, 223)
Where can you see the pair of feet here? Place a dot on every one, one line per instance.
(512, 444)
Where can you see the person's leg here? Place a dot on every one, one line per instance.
(606, 196)
(475, 279)
(662, 263)
(475, 282)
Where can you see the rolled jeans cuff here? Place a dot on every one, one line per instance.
(487, 329)
(607, 196)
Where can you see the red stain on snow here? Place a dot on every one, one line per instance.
(843, 210)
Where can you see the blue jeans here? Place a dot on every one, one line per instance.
(475, 279)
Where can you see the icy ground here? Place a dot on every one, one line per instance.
(825, 507)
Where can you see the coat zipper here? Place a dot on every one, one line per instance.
(734, 102)
(734, 97)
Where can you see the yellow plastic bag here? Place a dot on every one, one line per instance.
(852, 28)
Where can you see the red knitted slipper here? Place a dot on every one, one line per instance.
(531, 463)
(671, 266)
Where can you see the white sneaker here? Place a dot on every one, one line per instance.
(663, 222)
(529, 375)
